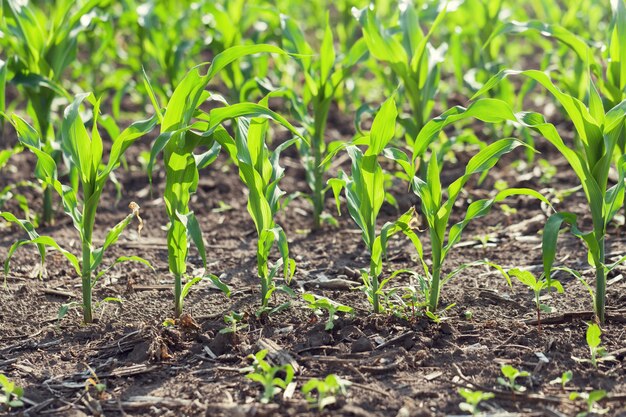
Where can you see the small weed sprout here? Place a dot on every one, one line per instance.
(593, 341)
(12, 394)
(511, 374)
(537, 285)
(234, 323)
(473, 400)
(317, 304)
(326, 390)
(591, 398)
(563, 379)
(266, 374)
(94, 381)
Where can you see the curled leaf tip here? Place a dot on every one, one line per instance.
(134, 207)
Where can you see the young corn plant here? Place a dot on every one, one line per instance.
(437, 211)
(85, 154)
(260, 172)
(323, 81)
(184, 129)
(599, 132)
(42, 44)
(410, 55)
(365, 193)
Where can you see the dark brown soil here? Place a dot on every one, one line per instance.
(397, 367)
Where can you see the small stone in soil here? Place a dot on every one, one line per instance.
(362, 344)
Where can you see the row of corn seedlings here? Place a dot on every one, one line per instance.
(71, 160)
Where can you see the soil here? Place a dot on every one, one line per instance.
(397, 366)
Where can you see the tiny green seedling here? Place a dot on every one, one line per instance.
(563, 379)
(473, 400)
(591, 398)
(317, 304)
(270, 311)
(326, 390)
(12, 394)
(537, 285)
(406, 302)
(511, 374)
(95, 382)
(266, 375)
(548, 171)
(593, 341)
(439, 316)
(508, 210)
(234, 323)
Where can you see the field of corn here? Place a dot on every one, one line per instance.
(274, 208)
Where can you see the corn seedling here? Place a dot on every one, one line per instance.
(324, 77)
(591, 399)
(511, 374)
(269, 376)
(365, 193)
(85, 155)
(43, 43)
(320, 393)
(184, 129)
(599, 133)
(473, 400)
(12, 394)
(260, 172)
(317, 304)
(537, 286)
(410, 55)
(437, 212)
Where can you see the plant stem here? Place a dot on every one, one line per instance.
(178, 296)
(48, 213)
(318, 144)
(264, 290)
(539, 320)
(435, 289)
(86, 282)
(600, 284)
(375, 284)
(89, 219)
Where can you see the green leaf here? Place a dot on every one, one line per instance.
(383, 46)
(327, 53)
(525, 277)
(593, 335)
(383, 127)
